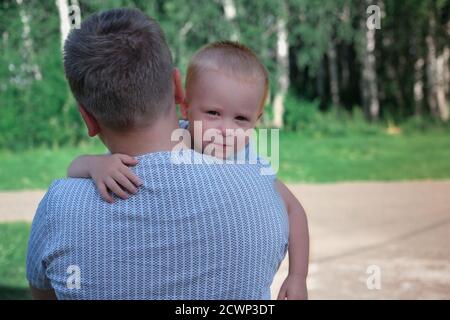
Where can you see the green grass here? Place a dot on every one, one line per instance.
(13, 246)
(35, 169)
(302, 159)
(360, 158)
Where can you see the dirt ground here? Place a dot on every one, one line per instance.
(401, 230)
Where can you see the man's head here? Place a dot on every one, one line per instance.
(226, 87)
(119, 68)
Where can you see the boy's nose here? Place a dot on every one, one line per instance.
(226, 130)
(228, 127)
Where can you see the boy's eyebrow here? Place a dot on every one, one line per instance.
(212, 106)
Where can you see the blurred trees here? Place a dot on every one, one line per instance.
(315, 50)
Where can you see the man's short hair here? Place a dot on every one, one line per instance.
(119, 68)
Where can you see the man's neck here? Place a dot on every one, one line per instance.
(155, 138)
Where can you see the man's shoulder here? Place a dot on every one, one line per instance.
(66, 187)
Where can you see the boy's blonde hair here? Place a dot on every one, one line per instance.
(231, 58)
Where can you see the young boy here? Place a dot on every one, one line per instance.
(226, 87)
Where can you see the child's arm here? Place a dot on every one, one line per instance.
(294, 287)
(109, 172)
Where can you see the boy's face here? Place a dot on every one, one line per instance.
(222, 103)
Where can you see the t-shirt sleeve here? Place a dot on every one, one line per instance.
(36, 264)
(183, 124)
(266, 168)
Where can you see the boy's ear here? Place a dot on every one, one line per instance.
(91, 123)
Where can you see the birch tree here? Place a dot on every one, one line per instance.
(369, 74)
(334, 76)
(69, 17)
(230, 12)
(282, 59)
(28, 69)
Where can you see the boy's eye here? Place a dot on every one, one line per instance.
(212, 113)
(241, 118)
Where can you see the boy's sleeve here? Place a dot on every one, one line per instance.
(183, 124)
(37, 247)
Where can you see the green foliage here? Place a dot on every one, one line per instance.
(38, 112)
(416, 124)
(305, 117)
(377, 157)
(33, 111)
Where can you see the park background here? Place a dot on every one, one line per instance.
(364, 118)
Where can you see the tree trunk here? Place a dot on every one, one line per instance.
(28, 69)
(320, 82)
(180, 54)
(418, 86)
(334, 77)
(229, 9)
(441, 62)
(64, 22)
(283, 68)
(447, 73)
(436, 64)
(69, 16)
(345, 67)
(369, 74)
(431, 68)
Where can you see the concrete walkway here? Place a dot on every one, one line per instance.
(401, 230)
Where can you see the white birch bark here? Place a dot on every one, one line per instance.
(64, 22)
(418, 85)
(441, 62)
(28, 67)
(283, 69)
(436, 77)
(369, 75)
(230, 12)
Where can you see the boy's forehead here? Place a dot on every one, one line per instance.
(223, 90)
(217, 82)
(206, 74)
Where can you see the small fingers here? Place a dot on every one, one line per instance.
(104, 192)
(116, 189)
(123, 181)
(128, 160)
(131, 176)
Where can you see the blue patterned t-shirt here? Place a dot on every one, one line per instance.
(193, 231)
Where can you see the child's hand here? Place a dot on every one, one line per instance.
(112, 172)
(293, 288)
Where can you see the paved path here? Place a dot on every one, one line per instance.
(401, 228)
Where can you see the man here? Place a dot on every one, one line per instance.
(192, 231)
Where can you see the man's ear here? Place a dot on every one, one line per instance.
(90, 121)
(179, 92)
(184, 109)
(178, 86)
